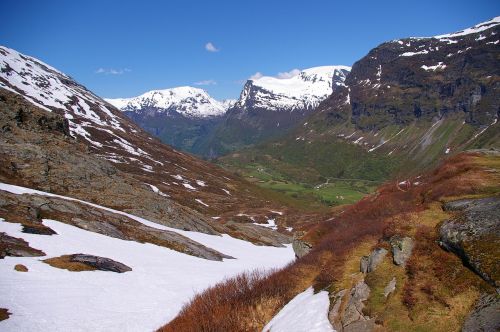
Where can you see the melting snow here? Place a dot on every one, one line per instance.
(414, 53)
(271, 223)
(307, 312)
(188, 186)
(160, 283)
(440, 65)
(201, 202)
(201, 183)
(157, 191)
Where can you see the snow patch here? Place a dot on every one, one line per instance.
(440, 65)
(306, 312)
(201, 202)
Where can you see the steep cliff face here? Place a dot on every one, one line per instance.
(428, 78)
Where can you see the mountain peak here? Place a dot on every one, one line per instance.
(305, 90)
(186, 100)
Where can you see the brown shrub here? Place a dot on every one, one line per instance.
(4, 314)
(20, 268)
(249, 301)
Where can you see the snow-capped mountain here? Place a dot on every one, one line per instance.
(268, 107)
(52, 90)
(302, 91)
(187, 101)
(183, 116)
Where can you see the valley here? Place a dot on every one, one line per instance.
(332, 198)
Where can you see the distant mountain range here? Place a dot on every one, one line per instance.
(189, 119)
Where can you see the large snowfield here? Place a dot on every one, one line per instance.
(160, 283)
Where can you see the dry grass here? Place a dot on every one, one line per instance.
(433, 293)
(243, 303)
(20, 268)
(64, 262)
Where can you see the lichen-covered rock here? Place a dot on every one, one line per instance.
(402, 248)
(100, 263)
(485, 316)
(370, 263)
(390, 288)
(474, 235)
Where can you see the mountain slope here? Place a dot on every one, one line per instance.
(405, 105)
(268, 107)
(64, 139)
(412, 284)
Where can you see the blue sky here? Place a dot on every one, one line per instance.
(124, 48)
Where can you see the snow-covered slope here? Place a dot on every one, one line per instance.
(53, 90)
(185, 100)
(50, 299)
(307, 312)
(475, 29)
(302, 91)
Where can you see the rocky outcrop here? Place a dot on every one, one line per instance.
(474, 235)
(12, 246)
(335, 311)
(100, 263)
(346, 313)
(300, 247)
(19, 208)
(354, 308)
(402, 248)
(370, 263)
(485, 315)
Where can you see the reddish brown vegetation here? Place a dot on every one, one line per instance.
(248, 302)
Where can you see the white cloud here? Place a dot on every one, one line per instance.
(289, 74)
(283, 75)
(211, 47)
(256, 76)
(112, 71)
(206, 82)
